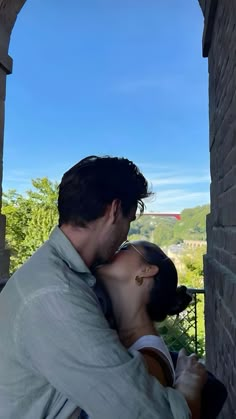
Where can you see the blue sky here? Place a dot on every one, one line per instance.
(112, 77)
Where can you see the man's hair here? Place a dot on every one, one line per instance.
(93, 183)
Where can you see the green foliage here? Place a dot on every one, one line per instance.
(180, 334)
(30, 219)
(175, 338)
(192, 225)
(193, 277)
(193, 273)
(165, 231)
(134, 237)
(143, 227)
(163, 234)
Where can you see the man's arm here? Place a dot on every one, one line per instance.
(65, 337)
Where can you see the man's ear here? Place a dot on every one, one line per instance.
(115, 210)
(149, 271)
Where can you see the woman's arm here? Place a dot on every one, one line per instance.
(155, 367)
(191, 375)
(189, 382)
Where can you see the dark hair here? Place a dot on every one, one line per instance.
(166, 298)
(95, 182)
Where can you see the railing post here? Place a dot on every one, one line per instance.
(195, 322)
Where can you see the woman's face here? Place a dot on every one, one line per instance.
(128, 262)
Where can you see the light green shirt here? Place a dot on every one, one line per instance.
(57, 351)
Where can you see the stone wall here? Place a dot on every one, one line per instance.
(219, 44)
(8, 14)
(5, 68)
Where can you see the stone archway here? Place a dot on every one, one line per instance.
(219, 45)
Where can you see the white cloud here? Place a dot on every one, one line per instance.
(16, 176)
(179, 180)
(159, 175)
(175, 200)
(155, 167)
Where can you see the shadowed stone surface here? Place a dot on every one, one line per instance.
(219, 44)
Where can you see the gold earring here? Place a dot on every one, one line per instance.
(139, 280)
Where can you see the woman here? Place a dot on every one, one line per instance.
(142, 267)
(141, 270)
(144, 264)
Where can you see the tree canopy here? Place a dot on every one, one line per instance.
(30, 219)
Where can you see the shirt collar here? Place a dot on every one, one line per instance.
(69, 255)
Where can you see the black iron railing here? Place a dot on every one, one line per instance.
(187, 329)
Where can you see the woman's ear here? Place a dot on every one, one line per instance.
(149, 271)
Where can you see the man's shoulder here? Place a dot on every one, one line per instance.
(43, 267)
(46, 272)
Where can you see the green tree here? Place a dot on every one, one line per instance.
(44, 214)
(163, 234)
(135, 237)
(45, 192)
(192, 225)
(193, 261)
(193, 277)
(30, 219)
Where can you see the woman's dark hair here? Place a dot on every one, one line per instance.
(93, 183)
(166, 298)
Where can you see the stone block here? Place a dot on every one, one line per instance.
(210, 8)
(4, 263)
(220, 317)
(2, 231)
(2, 83)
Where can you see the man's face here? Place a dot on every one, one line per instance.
(116, 235)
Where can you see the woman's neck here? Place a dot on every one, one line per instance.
(131, 323)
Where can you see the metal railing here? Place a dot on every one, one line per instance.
(187, 330)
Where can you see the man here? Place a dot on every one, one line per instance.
(57, 351)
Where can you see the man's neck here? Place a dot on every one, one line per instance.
(83, 240)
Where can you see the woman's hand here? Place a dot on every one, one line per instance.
(191, 376)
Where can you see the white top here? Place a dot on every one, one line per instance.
(157, 343)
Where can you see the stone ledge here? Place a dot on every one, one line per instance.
(4, 263)
(2, 230)
(6, 61)
(3, 282)
(210, 13)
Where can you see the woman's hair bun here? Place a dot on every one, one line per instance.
(181, 301)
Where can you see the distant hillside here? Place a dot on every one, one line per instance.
(165, 231)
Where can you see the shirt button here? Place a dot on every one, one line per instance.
(91, 282)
